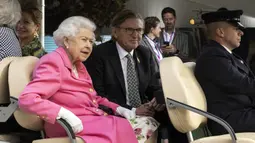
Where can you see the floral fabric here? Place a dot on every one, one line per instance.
(143, 127)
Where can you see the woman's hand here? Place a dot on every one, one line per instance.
(128, 114)
(70, 118)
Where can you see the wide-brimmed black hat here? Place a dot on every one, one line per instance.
(230, 16)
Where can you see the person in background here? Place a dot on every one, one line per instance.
(150, 38)
(10, 13)
(173, 42)
(27, 30)
(71, 95)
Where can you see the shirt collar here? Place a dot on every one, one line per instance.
(227, 49)
(150, 41)
(122, 52)
(164, 31)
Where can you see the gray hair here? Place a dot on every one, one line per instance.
(10, 12)
(123, 15)
(71, 27)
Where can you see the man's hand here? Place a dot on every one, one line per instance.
(145, 110)
(156, 106)
(169, 49)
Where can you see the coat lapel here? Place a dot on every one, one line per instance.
(116, 64)
(238, 62)
(241, 65)
(151, 48)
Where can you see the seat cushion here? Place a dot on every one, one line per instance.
(9, 138)
(250, 135)
(4, 92)
(28, 121)
(58, 140)
(152, 139)
(241, 138)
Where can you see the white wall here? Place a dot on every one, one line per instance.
(246, 5)
(184, 9)
(248, 19)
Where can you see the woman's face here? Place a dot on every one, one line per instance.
(156, 31)
(26, 27)
(80, 46)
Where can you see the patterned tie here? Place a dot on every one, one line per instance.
(132, 83)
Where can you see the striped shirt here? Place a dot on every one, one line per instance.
(9, 44)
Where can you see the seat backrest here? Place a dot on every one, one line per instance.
(180, 84)
(20, 74)
(190, 65)
(4, 88)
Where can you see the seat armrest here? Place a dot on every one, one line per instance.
(173, 104)
(7, 111)
(68, 129)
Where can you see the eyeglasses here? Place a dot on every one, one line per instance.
(131, 31)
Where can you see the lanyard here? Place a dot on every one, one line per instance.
(158, 51)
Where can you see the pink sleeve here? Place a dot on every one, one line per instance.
(46, 82)
(106, 102)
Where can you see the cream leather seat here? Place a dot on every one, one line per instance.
(5, 96)
(186, 103)
(20, 73)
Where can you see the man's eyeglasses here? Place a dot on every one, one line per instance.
(131, 31)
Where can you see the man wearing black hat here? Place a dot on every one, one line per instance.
(227, 81)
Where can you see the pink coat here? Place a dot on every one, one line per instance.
(54, 85)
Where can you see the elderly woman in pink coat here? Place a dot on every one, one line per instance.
(62, 88)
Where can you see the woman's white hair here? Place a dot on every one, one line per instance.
(71, 27)
(10, 12)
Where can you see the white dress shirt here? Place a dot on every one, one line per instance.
(123, 60)
(169, 37)
(227, 49)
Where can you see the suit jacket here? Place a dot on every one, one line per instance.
(180, 41)
(228, 83)
(106, 72)
(54, 85)
(146, 43)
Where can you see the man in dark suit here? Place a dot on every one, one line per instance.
(108, 67)
(123, 71)
(227, 81)
(173, 42)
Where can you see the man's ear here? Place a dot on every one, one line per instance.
(220, 32)
(114, 32)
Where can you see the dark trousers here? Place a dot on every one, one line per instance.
(167, 130)
(240, 121)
